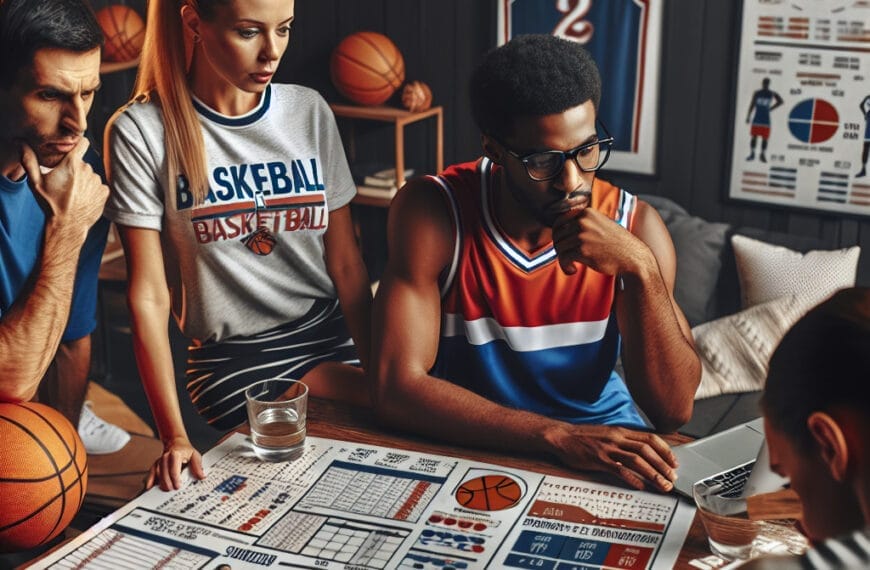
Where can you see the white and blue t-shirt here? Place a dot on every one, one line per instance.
(281, 166)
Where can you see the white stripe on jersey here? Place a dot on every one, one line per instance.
(523, 339)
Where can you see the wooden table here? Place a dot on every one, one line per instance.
(339, 421)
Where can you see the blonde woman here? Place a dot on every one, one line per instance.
(231, 195)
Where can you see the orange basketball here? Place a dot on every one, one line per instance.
(124, 31)
(489, 493)
(367, 68)
(43, 474)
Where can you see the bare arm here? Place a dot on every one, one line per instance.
(347, 270)
(66, 380)
(73, 197)
(406, 334)
(148, 300)
(662, 368)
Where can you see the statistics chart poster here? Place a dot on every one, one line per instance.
(347, 506)
(802, 116)
(624, 38)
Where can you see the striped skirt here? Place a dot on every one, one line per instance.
(218, 373)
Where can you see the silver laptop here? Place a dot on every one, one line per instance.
(735, 460)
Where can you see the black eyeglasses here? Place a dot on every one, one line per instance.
(546, 165)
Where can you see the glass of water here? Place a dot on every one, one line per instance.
(277, 413)
(730, 531)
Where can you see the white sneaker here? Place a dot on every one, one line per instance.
(99, 436)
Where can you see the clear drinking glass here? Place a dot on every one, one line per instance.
(730, 531)
(277, 414)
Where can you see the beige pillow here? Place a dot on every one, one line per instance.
(735, 350)
(768, 272)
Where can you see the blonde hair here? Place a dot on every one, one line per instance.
(163, 77)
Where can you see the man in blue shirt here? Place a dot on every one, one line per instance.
(51, 200)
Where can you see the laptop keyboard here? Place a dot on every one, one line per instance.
(730, 483)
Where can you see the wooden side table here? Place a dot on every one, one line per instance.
(400, 119)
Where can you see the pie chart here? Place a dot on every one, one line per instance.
(813, 121)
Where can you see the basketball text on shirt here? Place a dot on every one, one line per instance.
(245, 197)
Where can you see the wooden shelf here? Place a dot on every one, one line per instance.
(400, 119)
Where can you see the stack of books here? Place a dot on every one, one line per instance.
(379, 183)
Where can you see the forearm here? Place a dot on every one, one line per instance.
(446, 411)
(31, 330)
(348, 272)
(154, 361)
(355, 296)
(661, 366)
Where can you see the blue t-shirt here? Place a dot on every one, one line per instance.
(22, 227)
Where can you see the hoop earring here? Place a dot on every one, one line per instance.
(196, 38)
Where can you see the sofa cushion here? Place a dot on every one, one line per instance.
(728, 289)
(767, 271)
(698, 244)
(735, 349)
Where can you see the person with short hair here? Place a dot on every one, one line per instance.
(514, 283)
(51, 200)
(232, 197)
(816, 421)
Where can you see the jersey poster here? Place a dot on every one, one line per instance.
(624, 37)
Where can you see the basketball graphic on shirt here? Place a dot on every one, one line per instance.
(261, 242)
(493, 492)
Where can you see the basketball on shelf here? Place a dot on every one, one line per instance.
(416, 96)
(367, 68)
(43, 474)
(124, 31)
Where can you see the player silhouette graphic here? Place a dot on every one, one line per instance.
(763, 102)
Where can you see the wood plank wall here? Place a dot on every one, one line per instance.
(442, 40)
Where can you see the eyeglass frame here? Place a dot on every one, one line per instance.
(572, 154)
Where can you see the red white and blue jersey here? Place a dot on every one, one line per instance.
(514, 327)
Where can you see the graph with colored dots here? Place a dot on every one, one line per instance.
(347, 506)
(801, 129)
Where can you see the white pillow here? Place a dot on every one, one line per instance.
(768, 272)
(735, 349)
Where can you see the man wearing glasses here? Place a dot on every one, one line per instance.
(512, 281)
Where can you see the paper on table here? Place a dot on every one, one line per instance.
(346, 504)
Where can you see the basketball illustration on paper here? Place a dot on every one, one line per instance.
(490, 491)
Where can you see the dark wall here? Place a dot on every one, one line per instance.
(441, 41)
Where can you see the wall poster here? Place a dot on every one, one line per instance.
(624, 37)
(802, 116)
